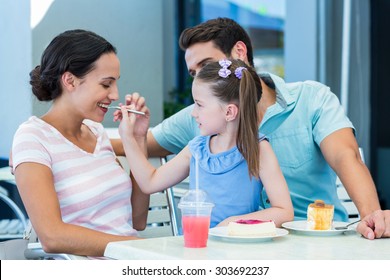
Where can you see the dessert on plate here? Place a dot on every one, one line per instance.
(320, 215)
(251, 228)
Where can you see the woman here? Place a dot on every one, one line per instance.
(77, 196)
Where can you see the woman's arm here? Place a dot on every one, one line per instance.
(118, 147)
(139, 200)
(35, 184)
(140, 206)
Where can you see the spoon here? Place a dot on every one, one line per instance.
(346, 226)
(128, 110)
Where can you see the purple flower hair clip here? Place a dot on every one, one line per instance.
(224, 72)
(225, 63)
(238, 72)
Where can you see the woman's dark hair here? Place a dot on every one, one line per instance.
(223, 32)
(244, 89)
(75, 51)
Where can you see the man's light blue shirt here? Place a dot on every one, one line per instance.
(304, 114)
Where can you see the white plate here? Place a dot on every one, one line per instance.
(221, 233)
(301, 227)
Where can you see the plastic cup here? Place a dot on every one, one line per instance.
(195, 211)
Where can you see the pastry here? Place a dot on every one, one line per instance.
(251, 228)
(320, 215)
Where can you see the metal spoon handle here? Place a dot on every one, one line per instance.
(346, 226)
(128, 110)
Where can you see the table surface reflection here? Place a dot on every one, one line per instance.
(346, 246)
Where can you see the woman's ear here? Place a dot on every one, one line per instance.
(231, 112)
(68, 81)
(240, 51)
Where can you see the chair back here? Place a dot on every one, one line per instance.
(13, 246)
(162, 216)
(159, 221)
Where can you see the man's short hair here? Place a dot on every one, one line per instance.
(224, 32)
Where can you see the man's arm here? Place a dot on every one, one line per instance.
(173, 133)
(341, 151)
(154, 149)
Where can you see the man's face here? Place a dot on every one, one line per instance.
(200, 54)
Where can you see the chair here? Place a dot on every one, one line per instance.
(346, 201)
(15, 208)
(160, 222)
(162, 216)
(13, 249)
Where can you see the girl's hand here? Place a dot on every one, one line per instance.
(133, 125)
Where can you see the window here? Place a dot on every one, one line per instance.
(264, 22)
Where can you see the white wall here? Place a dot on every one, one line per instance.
(301, 40)
(15, 64)
(134, 27)
(313, 45)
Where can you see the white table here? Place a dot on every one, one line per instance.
(349, 246)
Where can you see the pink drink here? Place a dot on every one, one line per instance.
(196, 231)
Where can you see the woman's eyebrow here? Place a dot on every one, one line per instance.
(110, 78)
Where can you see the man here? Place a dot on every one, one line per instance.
(304, 121)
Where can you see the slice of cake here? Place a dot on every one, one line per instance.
(251, 228)
(320, 215)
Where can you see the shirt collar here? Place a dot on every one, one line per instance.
(283, 96)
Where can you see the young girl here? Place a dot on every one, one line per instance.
(233, 161)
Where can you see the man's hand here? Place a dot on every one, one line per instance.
(375, 225)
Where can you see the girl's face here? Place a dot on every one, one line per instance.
(209, 111)
(98, 88)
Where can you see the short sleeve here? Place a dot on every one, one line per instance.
(263, 137)
(174, 133)
(28, 147)
(329, 116)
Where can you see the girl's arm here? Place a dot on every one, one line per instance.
(275, 184)
(281, 209)
(149, 179)
(35, 185)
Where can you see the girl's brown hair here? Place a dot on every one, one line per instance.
(242, 87)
